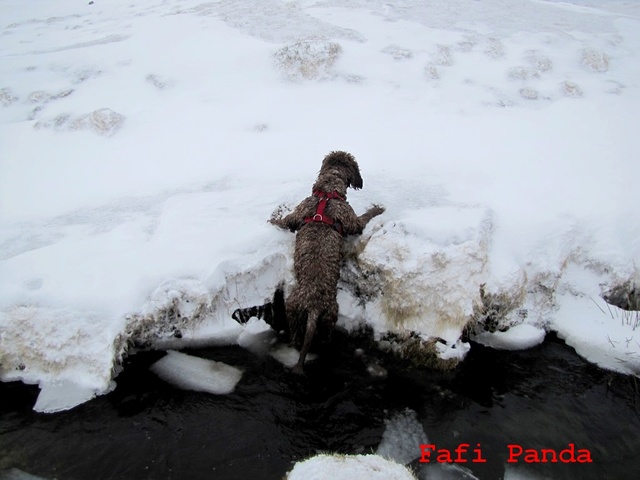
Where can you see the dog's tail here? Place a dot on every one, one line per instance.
(312, 321)
(273, 313)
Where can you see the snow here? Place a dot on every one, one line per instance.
(138, 169)
(402, 435)
(338, 467)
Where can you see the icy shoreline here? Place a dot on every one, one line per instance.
(425, 294)
(134, 190)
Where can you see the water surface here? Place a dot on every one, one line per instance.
(545, 397)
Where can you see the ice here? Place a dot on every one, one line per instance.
(62, 395)
(520, 337)
(15, 474)
(134, 191)
(347, 467)
(402, 438)
(288, 356)
(194, 373)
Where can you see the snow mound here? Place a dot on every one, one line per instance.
(7, 97)
(349, 467)
(420, 274)
(193, 373)
(104, 122)
(402, 437)
(310, 59)
(74, 358)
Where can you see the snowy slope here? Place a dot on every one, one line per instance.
(144, 145)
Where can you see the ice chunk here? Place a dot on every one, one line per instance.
(288, 356)
(16, 474)
(193, 373)
(402, 438)
(519, 337)
(62, 395)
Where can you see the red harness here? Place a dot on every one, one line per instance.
(320, 216)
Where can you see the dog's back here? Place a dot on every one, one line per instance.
(317, 260)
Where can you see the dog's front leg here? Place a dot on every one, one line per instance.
(371, 212)
(291, 222)
(312, 321)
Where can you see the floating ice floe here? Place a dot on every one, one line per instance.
(288, 356)
(519, 337)
(194, 373)
(402, 438)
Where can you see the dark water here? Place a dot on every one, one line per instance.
(545, 397)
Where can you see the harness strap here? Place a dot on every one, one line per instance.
(319, 215)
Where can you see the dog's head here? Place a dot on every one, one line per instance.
(345, 165)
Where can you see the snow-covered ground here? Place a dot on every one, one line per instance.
(143, 146)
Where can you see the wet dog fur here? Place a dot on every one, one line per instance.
(312, 305)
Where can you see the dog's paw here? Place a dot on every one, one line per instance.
(375, 210)
(284, 223)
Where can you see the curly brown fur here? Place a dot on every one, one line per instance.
(312, 303)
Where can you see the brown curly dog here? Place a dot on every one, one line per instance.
(321, 221)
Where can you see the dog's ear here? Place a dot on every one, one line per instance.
(347, 163)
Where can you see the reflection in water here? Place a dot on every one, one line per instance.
(545, 397)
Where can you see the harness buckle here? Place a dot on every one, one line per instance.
(317, 217)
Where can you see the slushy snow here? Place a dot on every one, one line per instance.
(138, 169)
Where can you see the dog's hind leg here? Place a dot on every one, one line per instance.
(273, 313)
(312, 321)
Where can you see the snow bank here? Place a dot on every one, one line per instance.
(69, 353)
(134, 192)
(420, 273)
